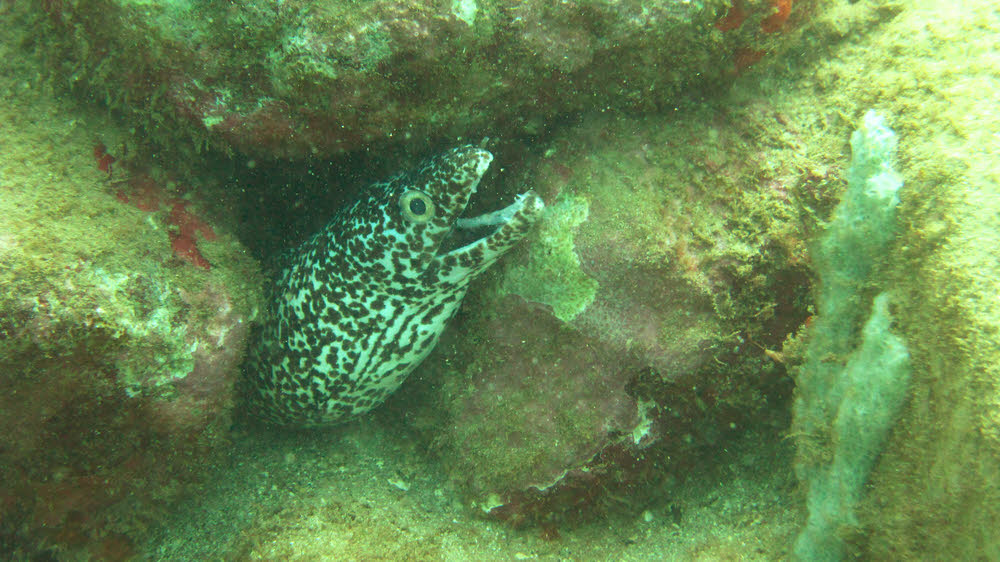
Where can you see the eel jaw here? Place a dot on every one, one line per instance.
(495, 218)
(512, 224)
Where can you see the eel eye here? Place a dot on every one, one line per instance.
(416, 206)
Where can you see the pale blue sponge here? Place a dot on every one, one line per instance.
(854, 380)
(858, 236)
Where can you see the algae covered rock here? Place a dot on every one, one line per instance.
(118, 351)
(631, 334)
(305, 78)
(932, 492)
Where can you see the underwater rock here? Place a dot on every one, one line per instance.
(636, 331)
(303, 78)
(544, 401)
(117, 357)
(932, 492)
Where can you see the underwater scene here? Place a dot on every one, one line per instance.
(499, 280)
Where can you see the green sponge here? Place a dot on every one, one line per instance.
(868, 393)
(858, 236)
(848, 392)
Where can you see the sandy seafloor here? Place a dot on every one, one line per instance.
(362, 494)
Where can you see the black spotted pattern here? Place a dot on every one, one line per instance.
(364, 301)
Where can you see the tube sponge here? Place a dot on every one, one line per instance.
(849, 392)
(868, 392)
(859, 234)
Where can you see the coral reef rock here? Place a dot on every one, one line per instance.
(632, 329)
(308, 78)
(118, 355)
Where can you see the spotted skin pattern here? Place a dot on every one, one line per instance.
(364, 301)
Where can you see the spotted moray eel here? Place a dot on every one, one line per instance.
(364, 301)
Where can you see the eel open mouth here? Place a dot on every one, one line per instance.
(495, 218)
(468, 230)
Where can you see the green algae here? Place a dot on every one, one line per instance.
(552, 274)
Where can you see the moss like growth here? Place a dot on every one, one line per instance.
(552, 274)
